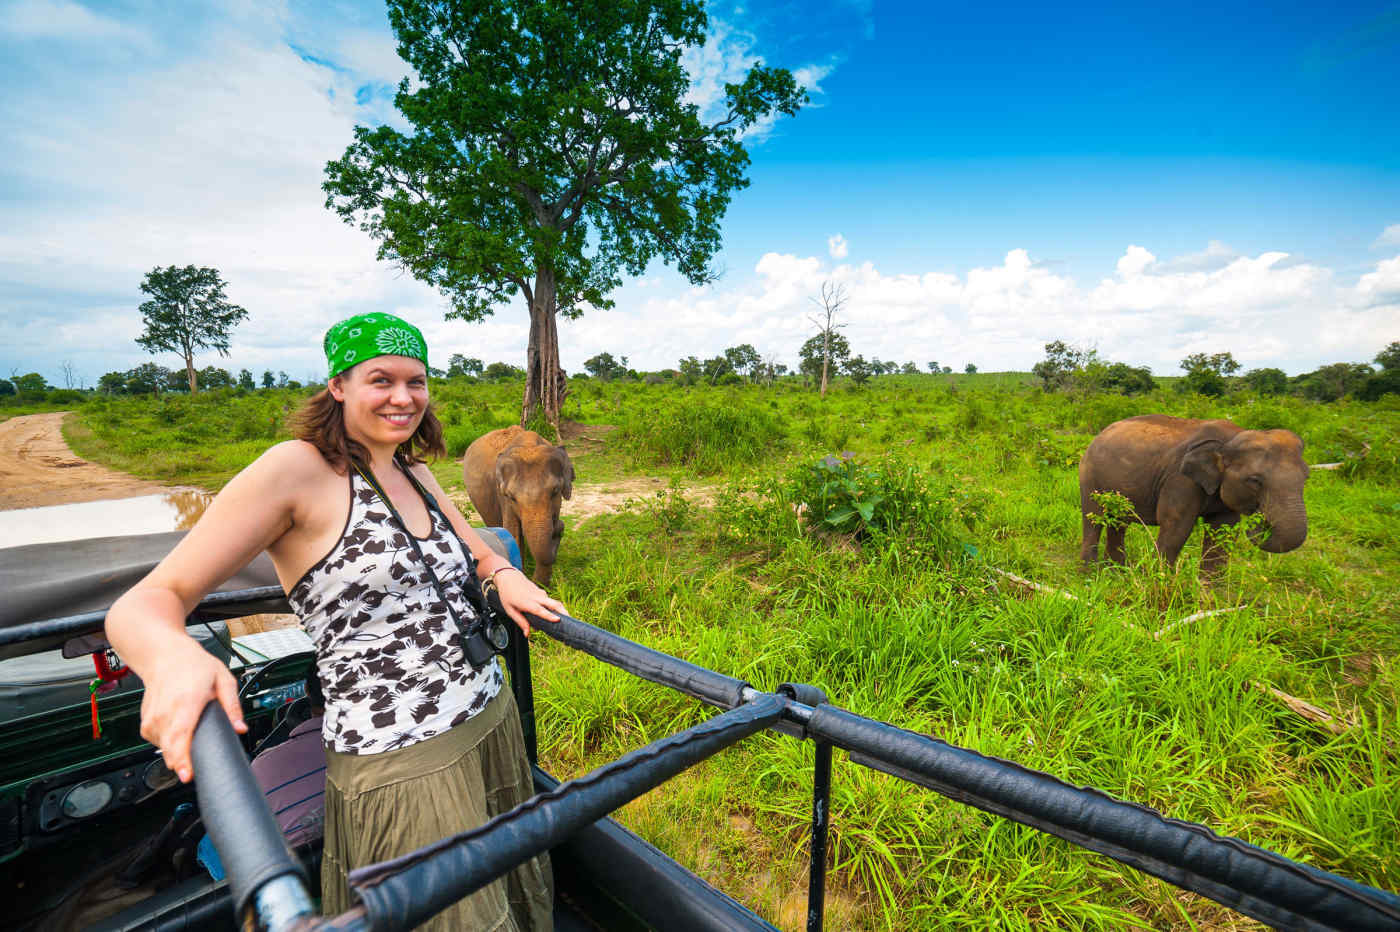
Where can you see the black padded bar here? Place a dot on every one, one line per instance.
(632, 871)
(698, 682)
(1244, 877)
(235, 812)
(407, 891)
(214, 606)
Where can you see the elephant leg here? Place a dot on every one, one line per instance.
(1114, 548)
(1089, 549)
(1213, 553)
(1172, 537)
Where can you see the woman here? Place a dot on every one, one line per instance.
(419, 743)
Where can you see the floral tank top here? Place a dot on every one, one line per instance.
(387, 653)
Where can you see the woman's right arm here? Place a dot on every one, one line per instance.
(146, 626)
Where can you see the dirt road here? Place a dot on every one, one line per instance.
(37, 468)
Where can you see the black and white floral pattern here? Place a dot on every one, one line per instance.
(386, 648)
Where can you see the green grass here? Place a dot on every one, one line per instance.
(930, 639)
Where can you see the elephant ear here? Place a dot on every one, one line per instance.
(568, 489)
(505, 471)
(1202, 463)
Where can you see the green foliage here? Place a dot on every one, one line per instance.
(707, 437)
(1127, 380)
(1330, 383)
(884, 500)
(603, 366)
(1221, 364)
(691, 370)
(215, 377)
(502, 371)
(30, 383)
(671, 510)
(1206, 375)
(716, 368)
(148, 379)
(743, 359)
(858, 369)
(1116, 511)
(810, 355)
(1385, 382)
(1267, 381)
(1389, 358)
(187, 311)
(7, 387)
(459, 366)
(1060, 363)
(1203, 381)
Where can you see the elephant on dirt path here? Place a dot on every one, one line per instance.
(516, 480)
(1174, 470)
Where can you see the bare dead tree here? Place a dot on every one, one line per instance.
(70, 373)
(832, 298)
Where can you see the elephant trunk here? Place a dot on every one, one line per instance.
(542, 533)
(1287, 525)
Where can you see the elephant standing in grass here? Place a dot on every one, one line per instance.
(1174, 470)
(516, 480)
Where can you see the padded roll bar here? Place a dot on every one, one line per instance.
(696, 682)
(242, 827)
(406, 891)
(1246, 878)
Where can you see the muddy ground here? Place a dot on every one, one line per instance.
(37, 468)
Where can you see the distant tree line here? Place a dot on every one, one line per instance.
(151, 379)
(1071, 367)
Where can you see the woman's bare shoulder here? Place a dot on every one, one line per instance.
(297, 455)
(287, 466)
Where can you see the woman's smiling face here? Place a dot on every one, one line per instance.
(384, 398)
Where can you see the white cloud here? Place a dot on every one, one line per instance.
(1380, 288)
(63, 20)
(1216, 255)
(810, 77)
(1134, 262)
(1390, 236)
(836, 246)
(1266, 310)
(725, 58)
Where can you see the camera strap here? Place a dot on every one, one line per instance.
(478, 603)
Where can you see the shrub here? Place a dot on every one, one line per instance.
(888, 500)
(708, 438)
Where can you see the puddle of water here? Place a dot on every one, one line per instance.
(176, 510)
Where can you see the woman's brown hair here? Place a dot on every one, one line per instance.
(321, 423)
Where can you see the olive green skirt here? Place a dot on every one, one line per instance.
(381, 806)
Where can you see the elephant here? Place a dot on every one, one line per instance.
(1174, 470)
(516, 480)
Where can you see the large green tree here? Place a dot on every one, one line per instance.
(552, 150)
(187, 311)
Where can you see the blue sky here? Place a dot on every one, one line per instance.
(981, 178)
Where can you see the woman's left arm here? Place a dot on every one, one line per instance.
(519, 594)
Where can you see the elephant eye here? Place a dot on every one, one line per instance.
(1255, 481)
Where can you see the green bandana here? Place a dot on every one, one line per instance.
(366, 336)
